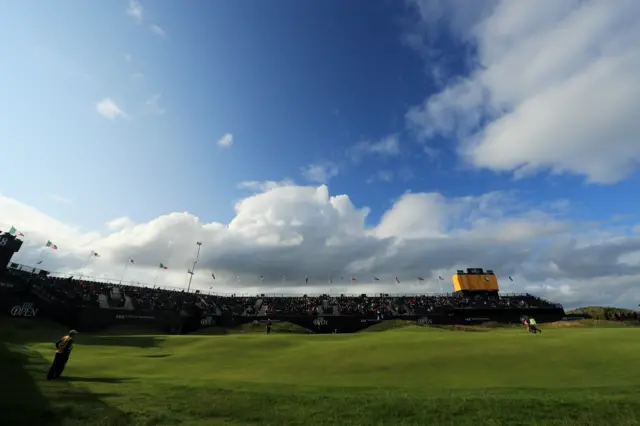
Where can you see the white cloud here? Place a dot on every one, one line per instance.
(382, 176)
(152, 105)
(109, 108)
(226, 140)
(120, 223)
(387, 146)
(554, 88)
(158, 31)
(135, 10)
(320, 172)
(300, 231)
(431, 153)
(59, 198)
(264, 186)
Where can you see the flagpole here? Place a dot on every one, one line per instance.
(41, 259)
(156, 278)
(193, 269)
(125, 271)
(86, 263)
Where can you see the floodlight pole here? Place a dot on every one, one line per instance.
(194, 266)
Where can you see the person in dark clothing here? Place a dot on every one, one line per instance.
(63, 350)
(268, 326)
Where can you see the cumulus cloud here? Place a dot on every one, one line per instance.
(298, 231)
(381, 176)
(108, 108)
(259, 186)
(135, 10)
(120, 223)
(59, 198)
(226, 140)
(152, 105)
(553, 87)
(387, 146)
(158, 31)
(320, 172)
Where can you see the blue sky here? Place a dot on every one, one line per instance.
(387, 97)
(294, 82)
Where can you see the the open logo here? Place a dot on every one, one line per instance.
(424, 321)
(318, 322)
(26, 310)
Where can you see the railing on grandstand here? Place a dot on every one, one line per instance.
(25, 268)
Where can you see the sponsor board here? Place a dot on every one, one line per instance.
(129, 316)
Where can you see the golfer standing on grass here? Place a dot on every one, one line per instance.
(63, 350)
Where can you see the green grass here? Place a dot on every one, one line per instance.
(407, 375)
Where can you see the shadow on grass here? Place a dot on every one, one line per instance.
(94, 379)
(143, 342)
(32, 400)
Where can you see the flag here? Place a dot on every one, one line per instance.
(189, 271)
(397, 280)
(420, 279)
(376, 278)
(38, 262)
(94, 254)
(511, 279)
(13, 231)
(163, 266)
(306, 280)
(131, 261)
(238, 278)
(213, 275)
(261, 277)
(353, 279)
(441, 279)
(51, 245)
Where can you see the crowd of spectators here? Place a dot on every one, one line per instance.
(81, 292)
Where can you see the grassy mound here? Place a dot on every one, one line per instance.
(597, 311)
(395, 324)
(400, 377)
(277, 327)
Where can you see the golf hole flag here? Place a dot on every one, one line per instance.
(163, 266)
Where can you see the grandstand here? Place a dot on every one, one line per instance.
(91, 304)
